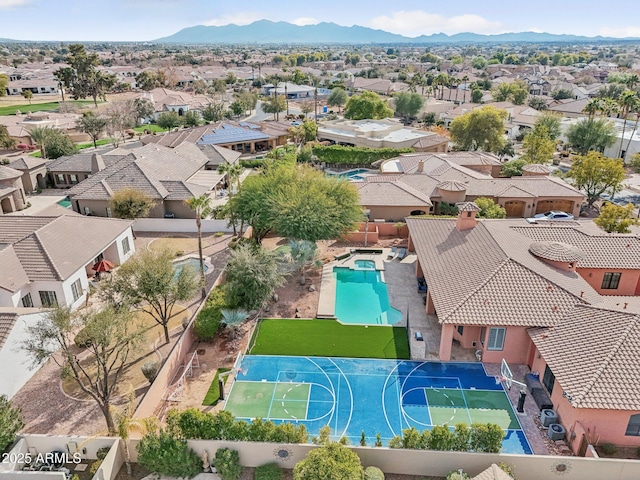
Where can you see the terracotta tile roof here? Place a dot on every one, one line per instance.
(7, 321)
(601, 251)
(8, 173)
(599, 374)
(390, 193)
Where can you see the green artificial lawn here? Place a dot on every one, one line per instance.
(213, 394)
(80, 146)
(329, 338)
(152, 128)
(39, 107)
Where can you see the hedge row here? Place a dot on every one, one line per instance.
(341, 155)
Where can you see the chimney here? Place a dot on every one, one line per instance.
(466, 216)
(421, 166)
(97, 163)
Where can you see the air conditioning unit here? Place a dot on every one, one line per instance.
(556, 432)
(548, 416)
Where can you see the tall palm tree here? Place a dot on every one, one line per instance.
(627, 102)
(609, 107)
(465, 81)
(636, 111)
(39, 136)
(202, 207)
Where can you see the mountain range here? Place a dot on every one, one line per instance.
(268, 32)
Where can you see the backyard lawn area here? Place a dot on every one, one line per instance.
(151, 127)
(329, 338)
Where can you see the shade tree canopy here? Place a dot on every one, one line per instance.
(480, 129)
(367, 105)
(596, 174)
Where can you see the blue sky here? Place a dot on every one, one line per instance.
(122, 20)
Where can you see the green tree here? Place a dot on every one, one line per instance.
(329, 461)
(58, 144)
(28, 95)
(169, 120)
(502, 92)
(274, 104)
(628, 102)
(6, 141)
(213, 112)
(561, 94)
(143, 109)
(110, 337)
(489, 208)
(84, 79)
(233, 173)
(302, 256)
(149, 282)
(596, 174)
(367, 105)
(251, 277)
(191, 119)
(38, 136)
(476, 95)
(513, 168)
(161, 453)
(201, 206)
(337, 98)
(4, 82)
(227, 463)
(408, 104)
(10, 422)
(232, 318)
(551, 122)
(130, 204)
(92, 126)
(147, 80)
(537, 147)
(591, 134)
(537, 102)
(480, 129)
(478, 62)
(126, 423)
(616, 219)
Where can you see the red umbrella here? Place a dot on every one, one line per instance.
(103, 266)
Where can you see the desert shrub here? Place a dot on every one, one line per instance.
(270, 471)
(150, 370)
(609, 448)
(373, 473)
(457, 475)
(95, 466)
(208, 320)
(342, 155)
(81, 339)
(164, 454)
(486, 438)
(634, 162)
(227, 463)
(506, 468)
(102, 453)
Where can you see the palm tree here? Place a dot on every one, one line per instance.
(465, 81)
(39, 136)
(125, 424)
(628, 101)
(233, 172)
(233, 318)
(636, 111)
(303, 255)
(202, 207)
(609, 107)
(592, 107)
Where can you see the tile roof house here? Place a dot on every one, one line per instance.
(448, 178)
(561, 299)
(169, 176)
(11, 190)
(47, 260)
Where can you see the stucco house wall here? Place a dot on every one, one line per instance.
(629, 280)
(394, 214)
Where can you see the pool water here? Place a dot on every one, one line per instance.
(192, 262)
(352, 174)
(65, 202)
(365, 265)
(362, 297)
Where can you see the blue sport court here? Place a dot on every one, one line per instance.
(375, 396)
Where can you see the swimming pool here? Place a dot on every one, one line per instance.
(355, 395)
(191, 262)
(352, 174)
(65, 202)
(362, 296)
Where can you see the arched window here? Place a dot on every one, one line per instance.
(633, 428)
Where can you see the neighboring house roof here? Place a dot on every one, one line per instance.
(27, 163)
(82, 162)
(157, 171)
(7, 321)
(607, 377)
(383, 193)
(42, 245)
(8, 173)
(228, 133)
(494, 472)
(218, 155)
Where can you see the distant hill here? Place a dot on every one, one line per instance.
(266, 31)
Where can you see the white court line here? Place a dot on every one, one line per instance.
(351, 397)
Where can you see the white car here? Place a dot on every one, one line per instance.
(553, 215)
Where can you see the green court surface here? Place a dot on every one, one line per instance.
(453, 406)
(269, 400)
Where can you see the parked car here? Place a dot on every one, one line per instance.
(554, 215)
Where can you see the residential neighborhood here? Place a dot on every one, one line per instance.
(296, 249)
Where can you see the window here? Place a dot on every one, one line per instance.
(27, 301)
(125, 245)
(76, 290)
(98, 258)
(48, 299)
(548, 379)
(633, 428)
(611, 280)
(60, 178)
(496, 338)
(73, 178)
(460, 329)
